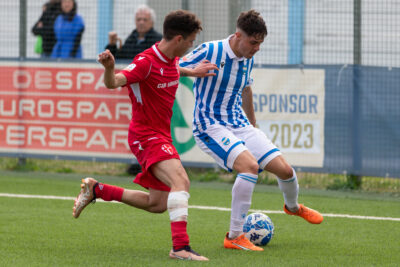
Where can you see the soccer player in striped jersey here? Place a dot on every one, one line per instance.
(151, 81)
(224, 124)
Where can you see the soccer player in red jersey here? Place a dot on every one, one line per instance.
(152, 80)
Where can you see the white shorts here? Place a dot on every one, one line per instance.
(225, 144)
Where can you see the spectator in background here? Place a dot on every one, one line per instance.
(143, 37)
(68, 29)
(44, 26)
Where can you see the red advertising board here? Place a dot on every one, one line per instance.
(62, 109)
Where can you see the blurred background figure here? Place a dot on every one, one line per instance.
(43, 28)
(143, 37)
(68, 29)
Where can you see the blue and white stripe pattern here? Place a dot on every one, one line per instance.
(218, 99)
(252, 178)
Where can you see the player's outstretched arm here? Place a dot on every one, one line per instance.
(111, 80)
(201, 70)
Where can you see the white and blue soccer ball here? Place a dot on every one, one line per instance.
(258, 228)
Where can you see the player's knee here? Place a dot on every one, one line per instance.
(286, 173)
(254, 167)
(249, 167)
(181, 182)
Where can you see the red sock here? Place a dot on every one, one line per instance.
(108, 192)
(180, 237)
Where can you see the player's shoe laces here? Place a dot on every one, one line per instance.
(240, 242)
(310, 215)
(86, 196)
(186, 253)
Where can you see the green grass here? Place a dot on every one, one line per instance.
(38, 232)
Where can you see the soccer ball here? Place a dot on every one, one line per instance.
(258, 228)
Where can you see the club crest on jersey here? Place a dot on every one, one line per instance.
(167, 148)
(226, 141)
(162, 71)
(222, 64)
(130, 67)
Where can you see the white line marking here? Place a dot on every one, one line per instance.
(213, 208)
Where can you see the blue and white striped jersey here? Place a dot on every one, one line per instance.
(218, 99)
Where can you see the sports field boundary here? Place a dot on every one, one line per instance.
(349, 216)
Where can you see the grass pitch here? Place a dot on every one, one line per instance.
(42, 232)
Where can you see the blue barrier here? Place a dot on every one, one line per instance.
(363, 140)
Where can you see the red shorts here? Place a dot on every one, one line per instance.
(147, 153)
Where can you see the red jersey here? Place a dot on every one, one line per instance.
(152, 81)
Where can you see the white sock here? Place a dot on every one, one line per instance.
(290, 190)
(242, 192)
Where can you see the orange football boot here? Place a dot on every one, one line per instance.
(310, 215)
(240, 242)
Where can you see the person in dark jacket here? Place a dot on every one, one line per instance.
(68, 29)
(143, 37)
(44, 26)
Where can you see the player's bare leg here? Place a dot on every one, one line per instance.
(155, 201)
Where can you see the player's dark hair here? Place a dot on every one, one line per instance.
(252, 23)
(180, 22)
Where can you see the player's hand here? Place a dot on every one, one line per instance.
(106, 59)
(112, 38)
(203, 69)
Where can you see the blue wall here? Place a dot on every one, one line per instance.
(363, 140)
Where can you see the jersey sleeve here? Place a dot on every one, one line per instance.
(194, 58)
(249, 81)
(137, 71)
